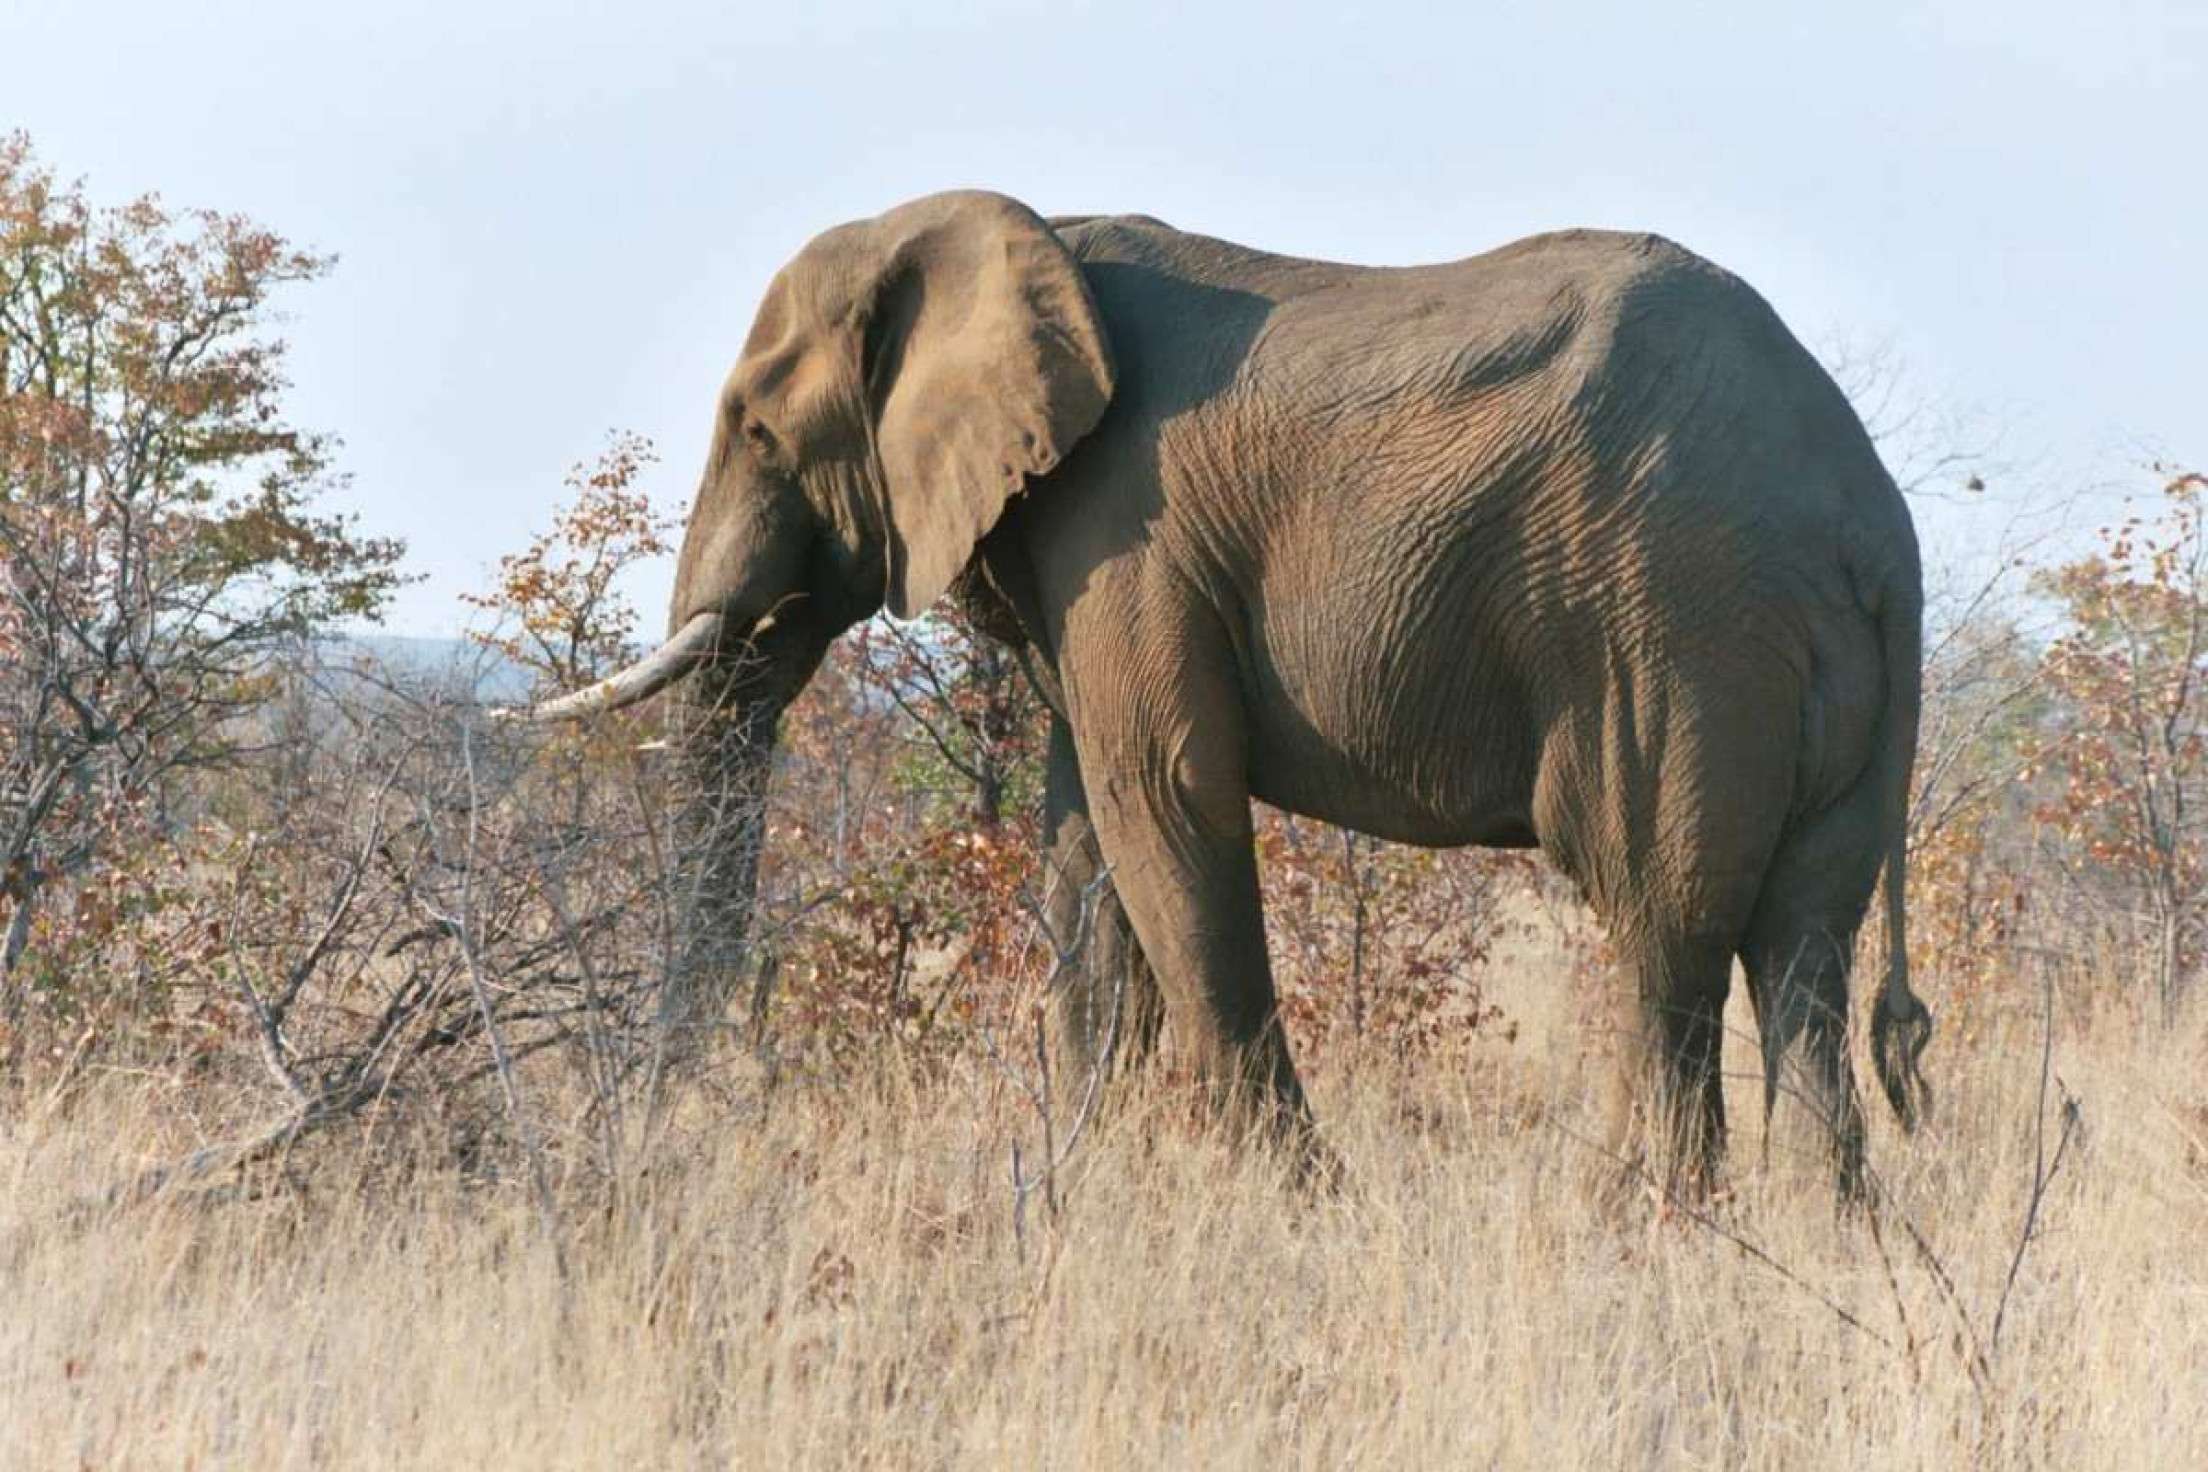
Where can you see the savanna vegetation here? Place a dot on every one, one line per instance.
(341, 1124)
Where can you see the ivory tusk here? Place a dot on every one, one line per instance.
(647, 677)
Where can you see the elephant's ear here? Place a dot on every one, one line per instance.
(985, 362)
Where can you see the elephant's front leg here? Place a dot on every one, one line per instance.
(1162, 755)
(1105, 1001)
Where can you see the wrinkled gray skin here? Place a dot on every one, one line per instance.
(1569, 544)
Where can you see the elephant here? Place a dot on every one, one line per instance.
(1569, 544)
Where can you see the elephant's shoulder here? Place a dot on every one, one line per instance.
(1074, 222)
(1093, 237)
(1138, 247)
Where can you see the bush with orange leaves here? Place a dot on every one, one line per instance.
(902, 857)
(1378, 943)
(2127, 747)
(562, 614)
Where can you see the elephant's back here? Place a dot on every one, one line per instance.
(1597, 316)
(1594, 375)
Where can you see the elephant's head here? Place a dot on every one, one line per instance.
(904, 377)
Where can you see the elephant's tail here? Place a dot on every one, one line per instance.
(1901, 1024)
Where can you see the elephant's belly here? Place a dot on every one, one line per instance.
(1430, 755)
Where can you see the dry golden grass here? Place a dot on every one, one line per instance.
(840, 1283)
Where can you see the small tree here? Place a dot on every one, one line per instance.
(2131, 741)
(566, 620)
(975, 724)
(158, 538)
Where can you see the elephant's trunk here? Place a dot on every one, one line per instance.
(726, 750)
(725, 736)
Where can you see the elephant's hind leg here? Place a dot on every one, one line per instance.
(1799, 945)
(1667, 1113)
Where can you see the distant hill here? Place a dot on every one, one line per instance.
(458, 667)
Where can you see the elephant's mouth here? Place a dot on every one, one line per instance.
(695, 644)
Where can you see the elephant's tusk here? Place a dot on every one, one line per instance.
(690, 646)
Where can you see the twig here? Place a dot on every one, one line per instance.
(1050, 1145)
(268, 1031)
(1893, 1291)
(1055, 1156)
(546, 1207)
(324, 1110)
(1745, 1244)
(2043, 1169)
(1877, 1199)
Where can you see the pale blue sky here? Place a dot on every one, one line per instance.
(556, 218)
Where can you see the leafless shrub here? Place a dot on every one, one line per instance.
(434, 912)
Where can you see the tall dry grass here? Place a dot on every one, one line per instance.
(838, 1277)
